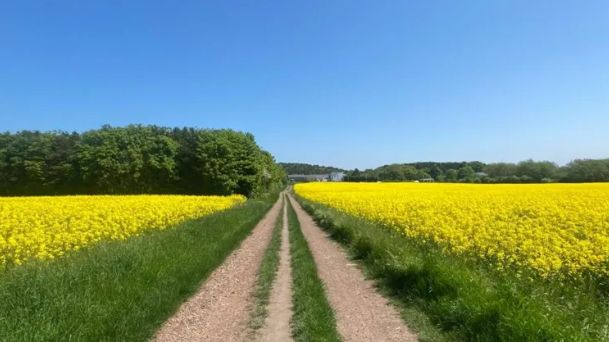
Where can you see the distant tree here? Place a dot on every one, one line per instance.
(436, 173)
(466, 173)
(452, 175)
(500, 170)
(587, 170)
(411, 173)
(527, 171)
(391, 173)
(476, 166)
(308, 169)
(536, 171)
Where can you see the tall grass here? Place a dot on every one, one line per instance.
(120, 291)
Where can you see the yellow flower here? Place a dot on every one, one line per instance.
(47, 227)
(552, 229)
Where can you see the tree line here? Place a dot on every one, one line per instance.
(528, 171)
(135, 160)
(307, 169)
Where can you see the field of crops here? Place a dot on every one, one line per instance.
(48, 227)
(553, 230)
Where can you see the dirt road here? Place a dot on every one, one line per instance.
(277, 324)
(362, 314)
(219, 311)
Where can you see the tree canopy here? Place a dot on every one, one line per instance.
(135, 159)
(307, 169)
(527, 171)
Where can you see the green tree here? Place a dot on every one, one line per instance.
(133, 159)
(392, 172)
(231, 162)
(466, 173)
(587, 170)
(500, 170)
(530, 170)
(452, 175)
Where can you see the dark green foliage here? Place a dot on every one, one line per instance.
(135, 159)
(233, 163)
(501, 170)
(528, 171)
(458, 298)
(587, 170)
(466, 173)
(400, 172)
(307, 169)
(449, 171)
(34, 162)
(124, 290)
(313, 318)
(452, 175)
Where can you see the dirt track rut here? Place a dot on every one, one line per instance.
(219, 311)
(277, 324)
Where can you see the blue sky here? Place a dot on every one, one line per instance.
(346, 83)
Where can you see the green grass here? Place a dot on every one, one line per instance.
(448, 298)
(313, 318)
(266, 277)
(120, 291)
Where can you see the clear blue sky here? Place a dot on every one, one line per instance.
(346, 83)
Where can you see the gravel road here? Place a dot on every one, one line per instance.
(219, 311)
(362, 314)
(277, 324)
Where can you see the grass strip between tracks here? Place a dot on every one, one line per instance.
(313, 318)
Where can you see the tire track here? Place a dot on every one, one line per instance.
(219, 311)
(277, 324)
(362, 314)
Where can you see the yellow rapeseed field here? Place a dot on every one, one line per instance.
(47, 227)
(553, 229)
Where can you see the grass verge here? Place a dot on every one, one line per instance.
(266, 277)
(447, 298)
(313, 318)
(120, 291)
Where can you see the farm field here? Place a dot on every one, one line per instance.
(391, 171)
(49, 227)
(479, 262)
(558, 230)
(123, 289)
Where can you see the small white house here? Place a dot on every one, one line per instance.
(337, 176)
